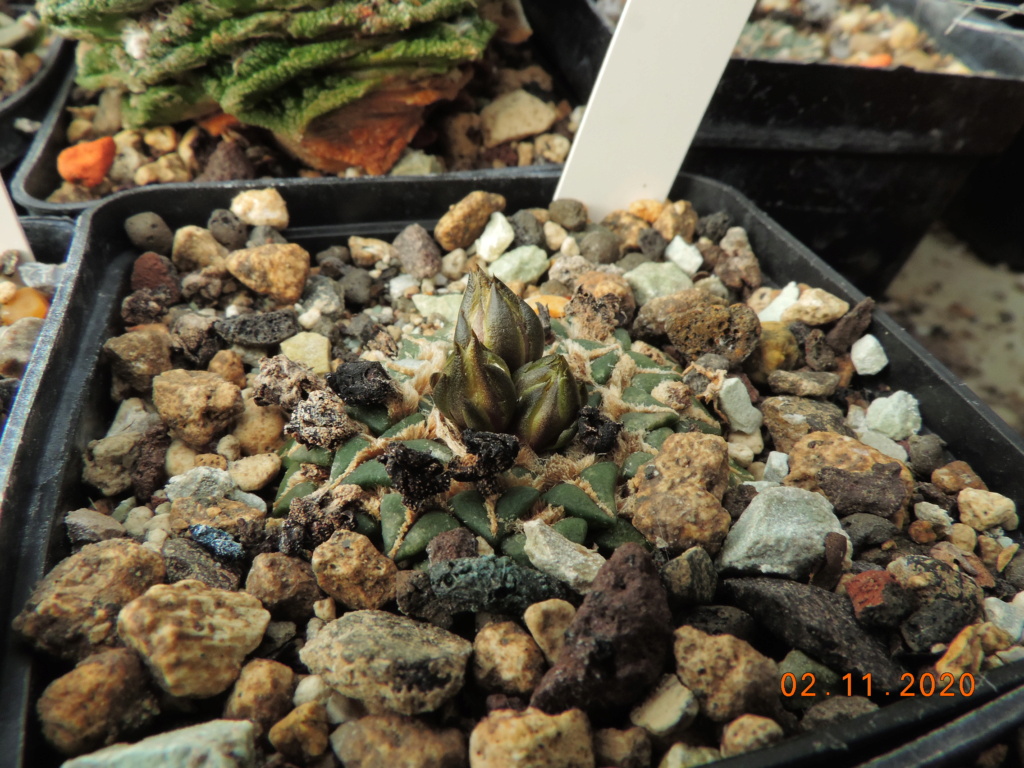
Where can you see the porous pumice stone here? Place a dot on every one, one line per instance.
(298, 528)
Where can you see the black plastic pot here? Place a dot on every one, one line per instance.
(72, 407)
(855, 162)
(32, 101)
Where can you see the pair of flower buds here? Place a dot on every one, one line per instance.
(495, 378)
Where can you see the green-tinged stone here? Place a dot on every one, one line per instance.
(646, 362)
(738, 475)
(429, 525)
(601, 368)
(282, 504)
(573, 528)
(637, 396)
(393, 515)
(493, 584)
(658, 436)
(603, 478)
(559, 329)
(368, 474)
(633, 463)
(647, 422)
(468, 507)
(524, 264)
(621, 533)
(688, 424)
(577, 504)
(347, 452)
(408, 421)
(121, 511)
(622, 336)
(515, 547)
(439, 451)
(648, 381)
(374, 416)
(300, 454)
(369, 526)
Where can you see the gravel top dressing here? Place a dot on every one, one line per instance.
(526, 490)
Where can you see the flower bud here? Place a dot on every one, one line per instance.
(549, 402)
(475, 388)
(502, 321)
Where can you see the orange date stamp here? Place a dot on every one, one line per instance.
(925, 684)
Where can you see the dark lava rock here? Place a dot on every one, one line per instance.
(362, 383)
(218, 543)
(452, 545)
(149, 232)
(227, 229)
(488, 454)
(878, 492)
(228, 162)
(418, 254)
(284, 383)
(186, 559)
(156, 273)
(416, 475)
(652, 244)
(145, 306)
(819, 623)
(264, 235)
(601, 246)
(722, 620)
(714, 226)
(926, 454)
(358, 287)
(618, 643)
(878, 600)
(937, 622)
(866, 531)
(818, 355)
(851, 326)
(597, 432)
(416, 598)
(527, 229)
(148, 470)
(571, 214)
(493, 584)
(259, 329)
(737, 499)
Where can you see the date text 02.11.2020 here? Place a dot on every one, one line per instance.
(927, 684)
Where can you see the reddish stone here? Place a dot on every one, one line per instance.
(878, 599)
(154, 271)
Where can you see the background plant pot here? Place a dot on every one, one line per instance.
(72, 406)
(855, 162)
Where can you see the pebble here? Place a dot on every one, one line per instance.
(883, 444)
(72, 611)
(197, 406)
(684, 255)
(352, 571)
(340, 709)
(465, 221)
(878, 599)
(527, 229)
(524, 264)
(815, 307)
(1009, 617)
(446, 307)
(532, 738)
(781, 533)
(669, 709)
(680, 518)
(776, 466)
(704, 326)
(790, 419)
(691, 578)
(983, 510)
(627, 748)
(417, 252)
(834, 710)
(786, 298)
(371, 656)
(515, 115)
(16, 345)
(258, 329)
(192, 637)
(734, 401)
(568, 213)
(896, 416)
(936, 515)
(261, 208)
(553, 554)
(496, 238)
(87, 526)
(149, 232)
(262, 694)
(684, 755)
(309, 349)
(749, 732)
(547, 622)
(196, 248)
(956, 476)
(492, 584)
(103, 699)
(229, 230)
(393, 741)
(214, 744)
(276, 270)
(254, 473)
(286, 586)
(599, 245)
(506, 659)
(880, 490)
(302, 734)
(803, 383)
(726, 674)
(868, 355)
(651, 280)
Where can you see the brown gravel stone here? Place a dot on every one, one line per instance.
(302, 734)
(417, 252)
(197, 406)
(749, 732)
(654, 316)
(727, 675)
(105, 699)
(955, 476)
(262, 694)
(452, 545)
(228, 365)
(689, 458)
(285, 585)
(687, 517)
(278, 270)
(152, 271)
(137, 357)
(851, 326)
(394, 741)
(803, 383)
(187, 560)
(193, 637)
(776, 352)
(617, 645)
(601, 284)
(627, 227)
(740, 269)
(352, 571)
(788, 419)
(532, 738)
(225, 514)
(259, 429)
(628, 748)
(72, 611)
(983, 510)
(506, 659)
(835, 709)
(465, 220)
(195, 248)
(879, 491)
(548, 621)
(732, 332)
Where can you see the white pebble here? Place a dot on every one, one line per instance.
(934, 514)
(734, 400)
(787, 297)
(868, 356)
(882, 444)
(741, 454)
(309, 319)
(496, 238)
(399, 286)
(554, 234)
(776, 467)
(684, 255)
(896, 416)
(569, 247)
(261, 207)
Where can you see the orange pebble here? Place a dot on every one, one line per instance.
(217, 124)
(555, 304)
(878, 61)
(27, 302)
(87, 163)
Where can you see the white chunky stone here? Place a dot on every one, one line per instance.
(496, 238)
(777, 466)
(867, 355)
(669, 708)
(399, 286)
(1006, 616)
(684, 255)
(734, 400)
(787, 297)
(216, 744)
(554, 554)
(261, 207)
(934, 514)
(524, 264)
(446, 307)
(882, 444)
(896, 416)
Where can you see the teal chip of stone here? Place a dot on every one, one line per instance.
(429, 525)
(408, 421)
(573, 528)
(601, 368)
(633, 463)
(603, 478)
(653, 279)
(368, 474)
(621, 533)
(345, 454)
(393, 515)
(634, 421)
(577, 504)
